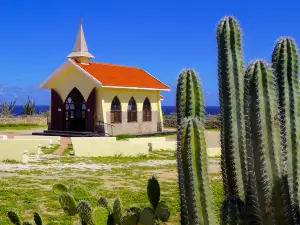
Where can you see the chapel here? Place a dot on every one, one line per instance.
(109, 99)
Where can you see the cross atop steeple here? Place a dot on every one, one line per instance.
(80, 51)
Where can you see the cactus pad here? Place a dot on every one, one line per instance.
(153, 192)
(79, 192)
(100, 216)
(59, 188)
(129, 218)
(117, 211)
(37, 219)
(102, 202)
(14, 218)
(67, 203)
(162, 211)
(147, 217)
(26, 223)
(84, 210)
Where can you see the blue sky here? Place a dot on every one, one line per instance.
(162, 37)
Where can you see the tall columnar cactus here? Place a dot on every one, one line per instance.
(285, 63)
(231, 95)
(195, 195)
(264, 146)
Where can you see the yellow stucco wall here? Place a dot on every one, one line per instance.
(69, 78)
(106, 146)
(51, 139)
(108, 94)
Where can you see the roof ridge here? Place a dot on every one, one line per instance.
(112, 64)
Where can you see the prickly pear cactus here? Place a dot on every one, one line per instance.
(67, 203)
(103, 202)
(37, 219)
(117, 211)
(129, 218)
(153, 192)
(110, 219)
(14, 218)
(79, 192)
(162, 211)
(26, 223)
(100, 216)
(147, 217)
(59, 188)
(84, 210)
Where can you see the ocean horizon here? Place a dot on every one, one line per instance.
(167, 110)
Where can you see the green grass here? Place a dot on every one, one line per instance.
(51, 149)
(20, 126)
(11, 161)
(154, 155)
(28, 191)
(68, 149)
(124, 136)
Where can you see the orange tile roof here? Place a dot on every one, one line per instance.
(121, 76)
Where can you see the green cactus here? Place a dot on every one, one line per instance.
(79, 192)
(129, 218)
(162, 211)
(26, 223)
(117, 211)
(103, 202)
(264, 142)
(232, 211)
(110, 219)
(153, 191)
(285, 63)
(84, 209)
(195, 196)
(147, 217)
(231, 96)
(100, 215)
(37, 219)
(67, 203)
(14, 217)
(59, 188)
(135, 210)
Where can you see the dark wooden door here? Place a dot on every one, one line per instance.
(56, 111)
(90, 111)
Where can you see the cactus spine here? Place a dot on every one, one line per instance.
(195, 196)
(231, 95)
(285, 63)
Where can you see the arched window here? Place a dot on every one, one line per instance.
(147, 111)
(131, 111)
(115, 111)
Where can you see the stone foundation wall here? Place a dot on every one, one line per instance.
(134, 127)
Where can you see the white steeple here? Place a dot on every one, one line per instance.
(80, 52)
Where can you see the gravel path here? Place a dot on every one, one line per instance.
(56, 165)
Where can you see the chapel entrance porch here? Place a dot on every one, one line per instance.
(74, 112)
